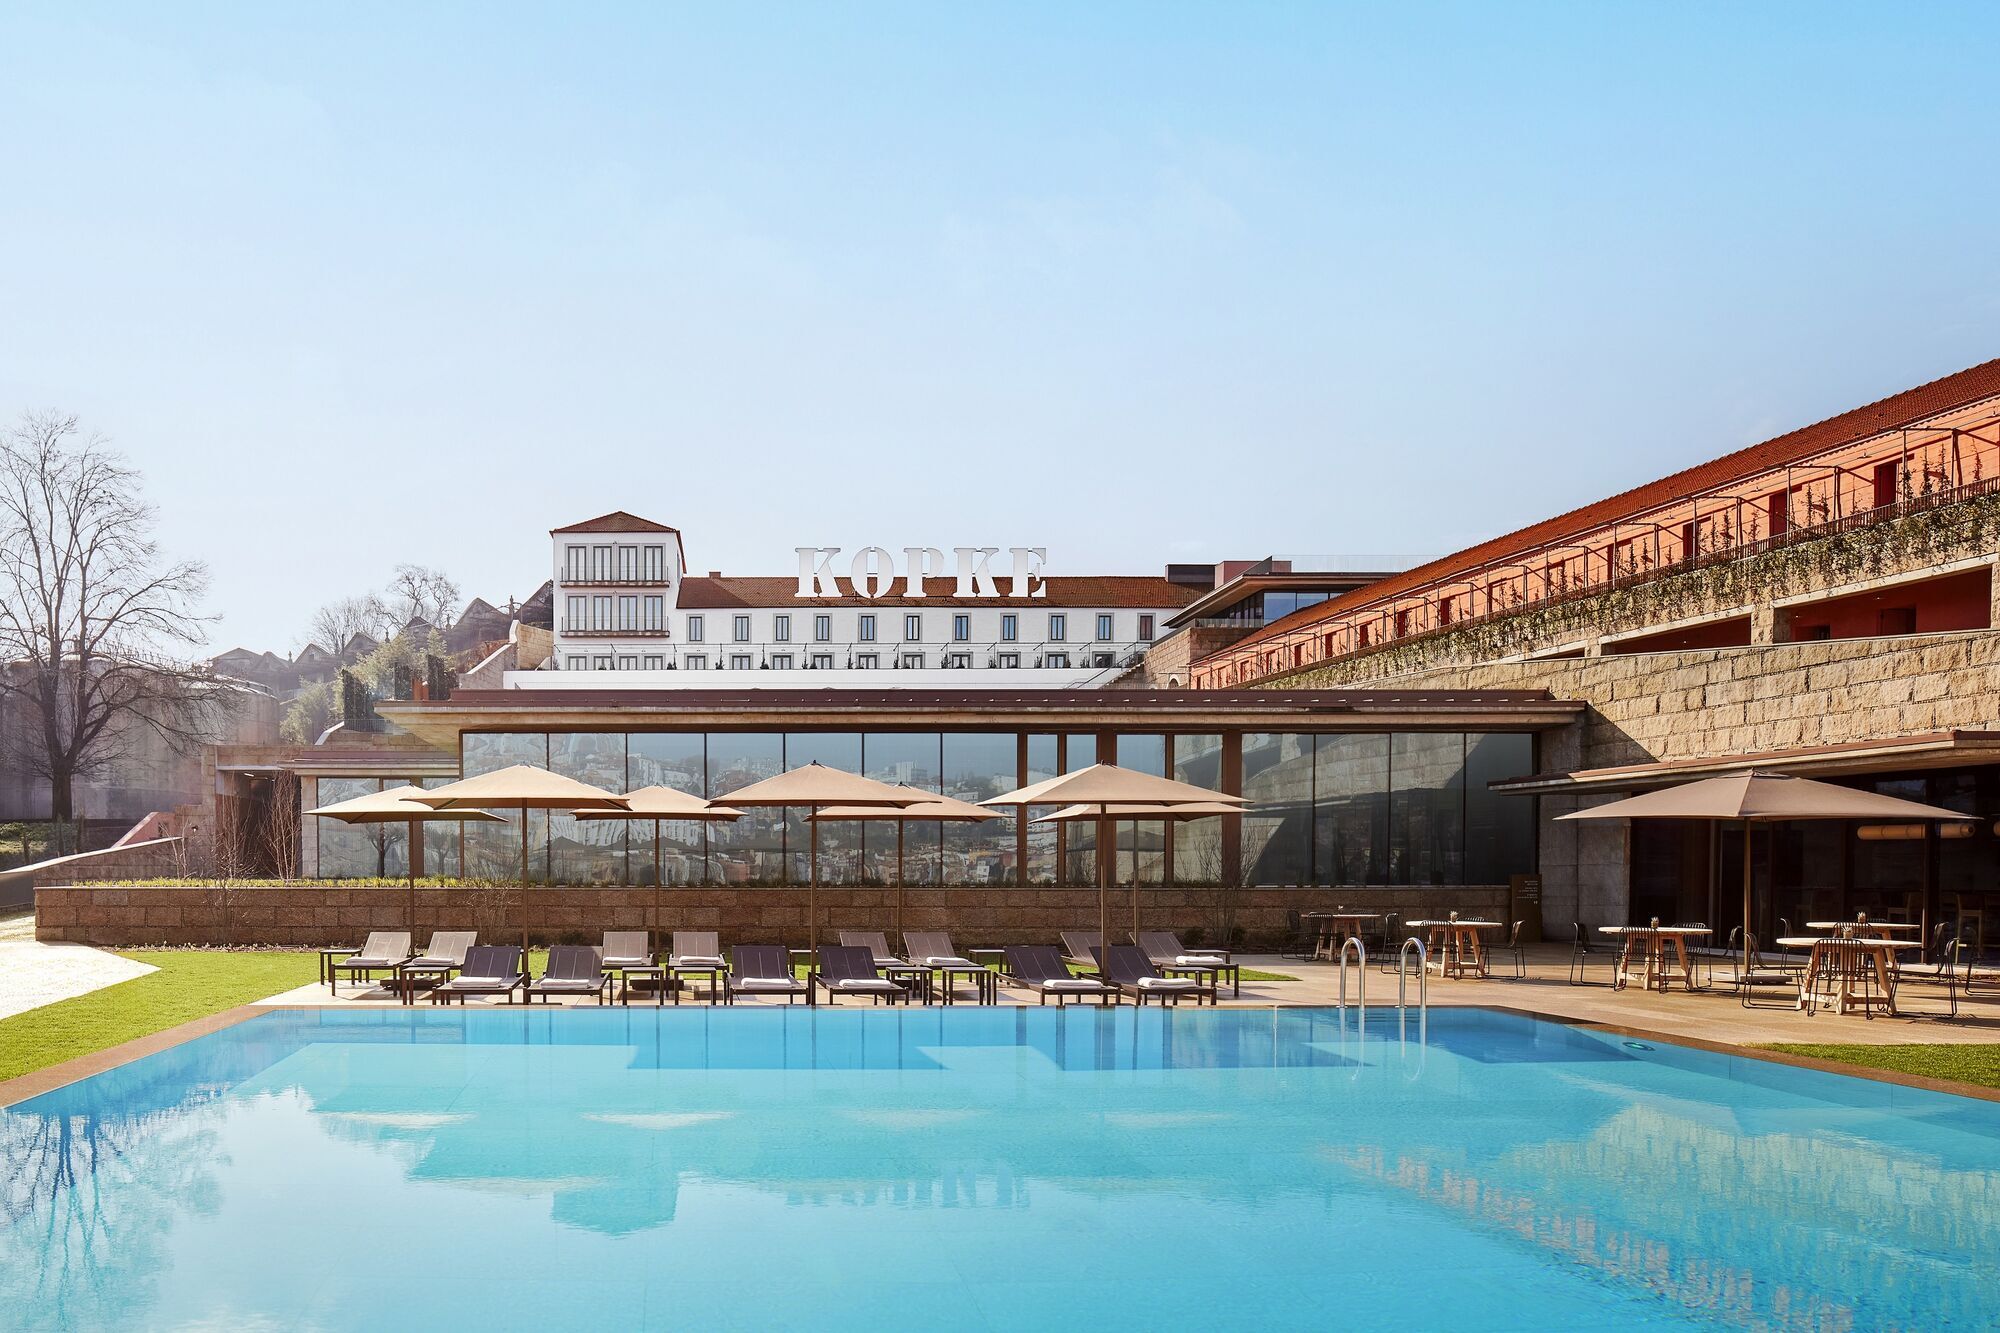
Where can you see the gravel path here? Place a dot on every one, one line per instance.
(33, 974)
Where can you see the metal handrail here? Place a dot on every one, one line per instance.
(1360, 952)
(1403, 975)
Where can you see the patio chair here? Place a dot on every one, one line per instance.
(1759, 975)
(444, 957)
(875, 941)
(572, 969)
(1163, 948)
(382, 951)
(849, 969)
(933, 951)
(1081, 946)
(489, 969)
(627, 948)
(1127, 967)
(1389, 949)
(1941, 968)
(1585, 949)
(1299, 938)
(764, 969)
(1514, 949)
(1040, 968)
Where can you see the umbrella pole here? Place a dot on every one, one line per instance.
(1135, 879)
(657, 934)
(812, 890)
(1105, 855)
(899, 879)
(1747, 826)
(413, 879)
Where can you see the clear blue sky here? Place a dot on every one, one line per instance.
(355, 285)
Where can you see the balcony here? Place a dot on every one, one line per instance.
(617, 634)
(662, 581)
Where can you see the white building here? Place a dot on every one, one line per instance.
(625, 605)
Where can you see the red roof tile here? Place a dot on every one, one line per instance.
(616, 521)
(1903, 409)
(1112, 591)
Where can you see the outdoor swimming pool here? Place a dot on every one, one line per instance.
(986, 1168)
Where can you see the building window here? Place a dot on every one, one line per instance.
(656, 613)
(576, 564)
(868, 661)
(781, 629)
(600, 664)
(579, 663)
(781, 661)
(1060, 661)
(576, 613)
(654, 567)
(913, 661)
(694, 629)
(600, 613)
(822, 661)
(1010, 660)
(739, 661)
(958, 660)
(961, 628)
(1145, 629)
(1058, 627)
(1010, 628)
(867, 629)
(600, 563)
(628, 664)
(628, 562)
(1103, 628)
(697, 661)
(742, 631)
(656, 664)
(822, 629)
(628, 613)
(913, 629)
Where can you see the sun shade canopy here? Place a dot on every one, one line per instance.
(931, 807)
(816, 784)
(662, 803)
(1192, 810)
(398, 805)
(521, 786)
(1102, 784)
(1763, 796)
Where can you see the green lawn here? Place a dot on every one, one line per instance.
(1978, 1064)
(190, 983)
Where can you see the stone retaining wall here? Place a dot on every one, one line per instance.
(311, 915)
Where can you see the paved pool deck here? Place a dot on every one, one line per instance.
(33, 974)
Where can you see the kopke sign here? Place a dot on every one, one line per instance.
(872, 571)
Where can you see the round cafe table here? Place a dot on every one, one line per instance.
(1846, 966)
(1653, 942)
(1454, 945)
(1885, 929)
(1335, 927)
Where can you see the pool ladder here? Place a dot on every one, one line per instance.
(1359, 952)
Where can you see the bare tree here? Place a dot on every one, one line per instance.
(418, 593)
(334, 624)
(92, 618)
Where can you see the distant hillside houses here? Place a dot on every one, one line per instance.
(477, 629)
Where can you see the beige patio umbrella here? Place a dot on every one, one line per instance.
(816, 786)
(1102, 786)
(660, 804)
(932, 807)
(1139, 813)
(398, 805)
(522, 787)
(1762, 798)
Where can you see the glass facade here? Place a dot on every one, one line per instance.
(978, 765)
(1198, 842)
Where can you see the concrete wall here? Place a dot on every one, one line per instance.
(311, 915)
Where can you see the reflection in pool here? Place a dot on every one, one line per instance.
(986, 1168)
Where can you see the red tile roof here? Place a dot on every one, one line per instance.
(1904, 409)
(616, 521)
(1113, 591)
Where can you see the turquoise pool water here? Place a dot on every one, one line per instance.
(976, 1168)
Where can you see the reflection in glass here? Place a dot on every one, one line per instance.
(348, 851)
(493, 851)
(1198, 842)
(1351, 825)
(674, 760)
(443, 843)
(1044, 840)
(1079, 839)
(1427, 808)
(751, 850)
(1277, 828)
(1499, 826)
(588, 851)
(839, 842)
(914, 758)
(977, 766)
(1142, 844)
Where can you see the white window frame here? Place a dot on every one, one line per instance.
(578, 662)
(822, 629)
(655, 663)
(1058, 627)
(628, 613)
(694, 629)
(654, 612)
(741, 661)
(576, 613)
(576, 564)
(653, 564)
(781, 628)
(697, 661)
(739, 629)
(600, 612)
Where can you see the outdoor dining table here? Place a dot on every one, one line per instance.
(1454, 945)
(1654, 941)
(1886, 929)
(1848, 960)
(1335, 927)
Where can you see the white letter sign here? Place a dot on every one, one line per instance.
(920, 563)
(816, 571)
(873, 570)
(1028, 581)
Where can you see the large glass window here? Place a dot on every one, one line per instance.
(1079, 837)
(493, 851)
(977, 766)
(1142, 843)
(348, 851)
(1351, 809)
(1044, 840)
(588, 851)
(1499, 827)
(675, 760)
(1427, 808)
(1198, 842)
(752, 849)
(839, 841)
(443, 842)
(913, 759)
(1277, 827)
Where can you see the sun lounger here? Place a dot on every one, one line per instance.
(445, 956)
(696, 950)
(764, 969)
(1164, 949)
(1127, 967)
(896, 969)
(932, 950)
(490, 969)
(1080, 947)
(626, 948)
(573, 969)
(382, 951)
(1041, 969)
(849, 969)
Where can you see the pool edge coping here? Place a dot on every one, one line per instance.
(33, 1084)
